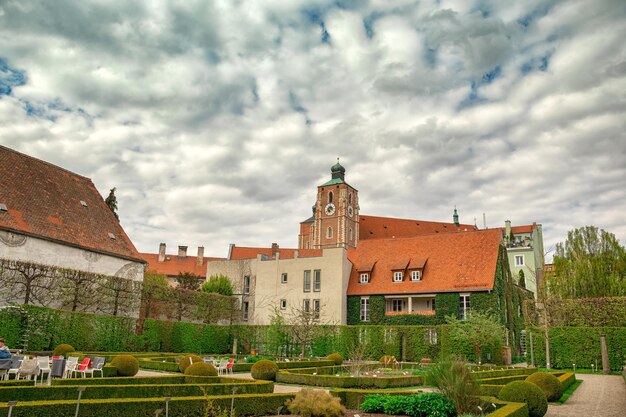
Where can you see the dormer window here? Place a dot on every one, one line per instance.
(397, 276)
(364, 278)
(416, 275)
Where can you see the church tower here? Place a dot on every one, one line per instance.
(336, 212)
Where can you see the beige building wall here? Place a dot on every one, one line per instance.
(267, 288)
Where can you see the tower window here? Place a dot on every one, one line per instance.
(330, 197)
(349, 198)
(329, 232)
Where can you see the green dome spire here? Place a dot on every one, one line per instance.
(337, 168)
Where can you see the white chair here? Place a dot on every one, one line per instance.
(16, 362)
(70, 366)
(222, 367)
(28, 369)
(44, 367)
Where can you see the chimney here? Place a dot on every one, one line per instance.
(274, 249)
(200, 258)
(230, 251)
(161, 252)
(182, 251)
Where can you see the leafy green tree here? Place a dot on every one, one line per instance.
(479, 330)
(522, 279)
(218, 284)
(111, 201)
(590, 263)
(188, 281)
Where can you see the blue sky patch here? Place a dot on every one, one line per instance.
(474, 98)
(10, 77)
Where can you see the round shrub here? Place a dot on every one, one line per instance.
(63, 349)
(549, 384)
(201, 369)
(187, 360)
(265, 370)
(526, 392)
(336, 357)
(127, 365)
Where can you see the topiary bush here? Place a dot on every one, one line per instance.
(426, 404)
(63, 349)
(526, 392)
(315, 403)
(336, 357)
(201, 369)
(549, 384)
(127, 365)
(187, 360)
(265, 370)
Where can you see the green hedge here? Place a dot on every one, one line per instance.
(352, 398)
(497, 373)
(152, 380)
(68, 392)
(247, 404)
(566, 378)
(502, 380)
(580, 346)
(508, 409)
(324, 378)
(17, 383)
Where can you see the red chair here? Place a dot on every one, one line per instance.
(229, 367)
(85, 364)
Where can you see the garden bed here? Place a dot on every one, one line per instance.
(331, 376)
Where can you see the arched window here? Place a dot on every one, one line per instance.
(350, 234)
(329, 232)
(349, 198)
(330, 197)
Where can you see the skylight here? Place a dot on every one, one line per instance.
(3, 207)
(111, 235)
(83, 203)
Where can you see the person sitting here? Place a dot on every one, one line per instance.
(4, 351)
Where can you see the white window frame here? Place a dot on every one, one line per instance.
(364, 278)
(398, 276)
(283, 278)
(317, 308)
(465, 306)
(283, 304)
(519, 260)
(306, 285)
(317, 280)
(416, 275)
(397, 304)
(365, 309)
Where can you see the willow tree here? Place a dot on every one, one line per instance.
(590, 263)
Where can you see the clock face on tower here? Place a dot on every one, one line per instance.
(330, 209)
(350, 211)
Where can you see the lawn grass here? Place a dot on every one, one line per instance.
(568, 392)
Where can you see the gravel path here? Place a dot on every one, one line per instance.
(597, 396)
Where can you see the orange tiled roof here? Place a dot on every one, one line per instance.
(241, 252)
(454, 262)
(375, 227)
(173, 264)
(44, 201)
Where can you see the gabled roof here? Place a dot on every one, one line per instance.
(46, 201)
(173, 264)
(455, 262)
(375, 227)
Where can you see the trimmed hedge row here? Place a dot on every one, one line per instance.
(17, 383)
(580, 346)
(68, 392)
(152, 380)
(246, 404)
(566, 378)
(324, 379)
(353, 398)
(508, 409)
(497, 373)
(157, 364)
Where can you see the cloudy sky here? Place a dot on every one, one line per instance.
(216, 120)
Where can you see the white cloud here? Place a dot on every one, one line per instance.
(217, 120)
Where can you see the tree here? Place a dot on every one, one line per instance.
(522, 279)
(188, 281)
(218, 284)
(154, 286)
(111, 201)
(590, 263)
(479, 330)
